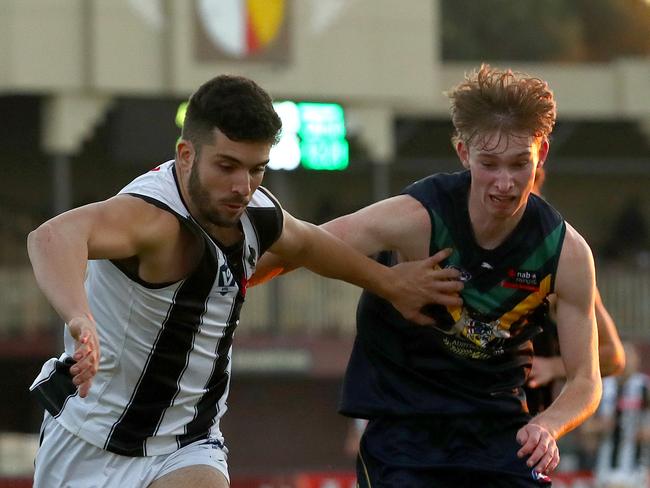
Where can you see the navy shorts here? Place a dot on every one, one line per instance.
(444, 452)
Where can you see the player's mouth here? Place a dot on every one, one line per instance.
(234, 207)
(502, 201)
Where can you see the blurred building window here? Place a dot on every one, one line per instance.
(553, 30)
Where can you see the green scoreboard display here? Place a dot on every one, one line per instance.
(322, 136)
(313, 135)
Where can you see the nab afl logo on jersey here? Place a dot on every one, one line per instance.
(226, 281)
(522, 280)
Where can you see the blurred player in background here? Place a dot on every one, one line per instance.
(445, 404)
(622, 427)
(548, 369)
(154, 280)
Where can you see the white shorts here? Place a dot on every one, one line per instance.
(64, 460)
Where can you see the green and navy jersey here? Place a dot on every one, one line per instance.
(477, 356)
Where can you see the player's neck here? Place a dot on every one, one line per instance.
(491, 231)
(227, 236)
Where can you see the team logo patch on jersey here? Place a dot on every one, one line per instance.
(226, 281)
(464, 276)
(474, 338)
(522, 280)
(483, 333)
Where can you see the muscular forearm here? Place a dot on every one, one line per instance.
(343, 264)
(577, 401)
(272, 265)
(59, 262)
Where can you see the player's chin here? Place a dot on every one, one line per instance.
(230, 219)
(503, 214)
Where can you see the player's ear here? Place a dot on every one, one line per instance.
(542, 152)
(463, 153)
(185, 154)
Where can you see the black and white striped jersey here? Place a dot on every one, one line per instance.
(164, 372)
(626, 403)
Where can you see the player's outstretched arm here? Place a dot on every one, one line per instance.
(59, 250)
(576, 324)
(396, 224)
(409, 286)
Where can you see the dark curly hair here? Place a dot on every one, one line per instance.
(235, 105)
(492, 100)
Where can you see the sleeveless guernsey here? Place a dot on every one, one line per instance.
(476, 359)
(164, 372)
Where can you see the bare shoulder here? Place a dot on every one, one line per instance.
(167, 250)
(414, 211)
(396, 208)
(152, 223)
(412, 228)
(404, 207)
(575, 248)
(125, 225)
(575, 272)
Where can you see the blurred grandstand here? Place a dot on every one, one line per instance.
(88, 95)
